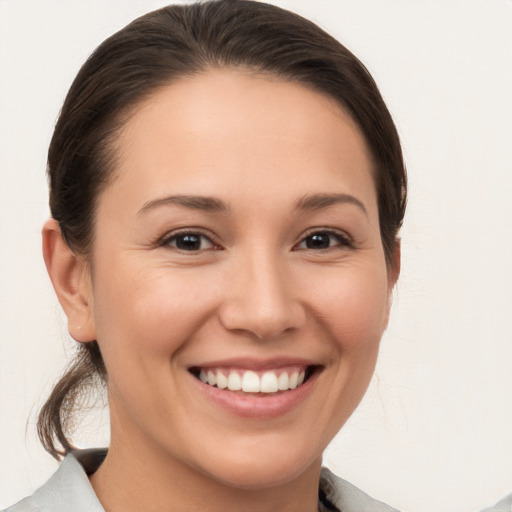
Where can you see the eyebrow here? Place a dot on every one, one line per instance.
(215, 205)
(203, 203)
(320, 201)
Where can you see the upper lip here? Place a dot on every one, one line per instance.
(256, 364)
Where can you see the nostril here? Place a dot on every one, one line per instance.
(261, 300)
(262, 323)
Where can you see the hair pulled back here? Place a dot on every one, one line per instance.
(151, 52)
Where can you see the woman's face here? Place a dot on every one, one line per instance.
(239, 244)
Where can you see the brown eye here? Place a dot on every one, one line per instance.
(318, 241)
(323, 240)
(190, 242)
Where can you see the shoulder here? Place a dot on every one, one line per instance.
(343, 496)
(505, 505)
(25, 505)
(67, 489)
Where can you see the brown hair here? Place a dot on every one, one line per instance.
(151, 52)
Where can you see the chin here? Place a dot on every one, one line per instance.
(262, 476)
(262, 467)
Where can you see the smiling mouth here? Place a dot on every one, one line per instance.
(250, 381)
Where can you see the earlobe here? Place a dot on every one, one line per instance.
(393, 273)
(70, 277)
(394, 268)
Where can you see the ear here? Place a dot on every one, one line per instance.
(70, 276)
(393, 273)
(395, 264)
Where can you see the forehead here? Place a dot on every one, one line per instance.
(228, 131)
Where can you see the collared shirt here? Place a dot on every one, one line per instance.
(69, 490)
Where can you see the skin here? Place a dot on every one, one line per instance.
(254, 289)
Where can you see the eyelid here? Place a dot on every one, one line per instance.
(172, 235)
(346, 240)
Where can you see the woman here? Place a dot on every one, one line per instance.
(226, 197)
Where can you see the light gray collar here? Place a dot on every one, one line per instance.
(68, 489)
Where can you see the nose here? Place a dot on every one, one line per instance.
(261, 299)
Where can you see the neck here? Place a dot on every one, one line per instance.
(135, 476)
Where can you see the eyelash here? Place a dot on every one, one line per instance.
(340, 238)
(168, 240)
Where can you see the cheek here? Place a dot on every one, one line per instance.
(148, 314)
(353, 305)
(144, 320)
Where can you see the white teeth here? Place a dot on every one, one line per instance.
(250, 382)
(222, 381)
(269, 383)
(211, 378)
(234, 382)
(282, 382)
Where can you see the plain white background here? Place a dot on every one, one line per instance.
(434, 432)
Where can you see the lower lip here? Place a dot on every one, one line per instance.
(260, 405)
